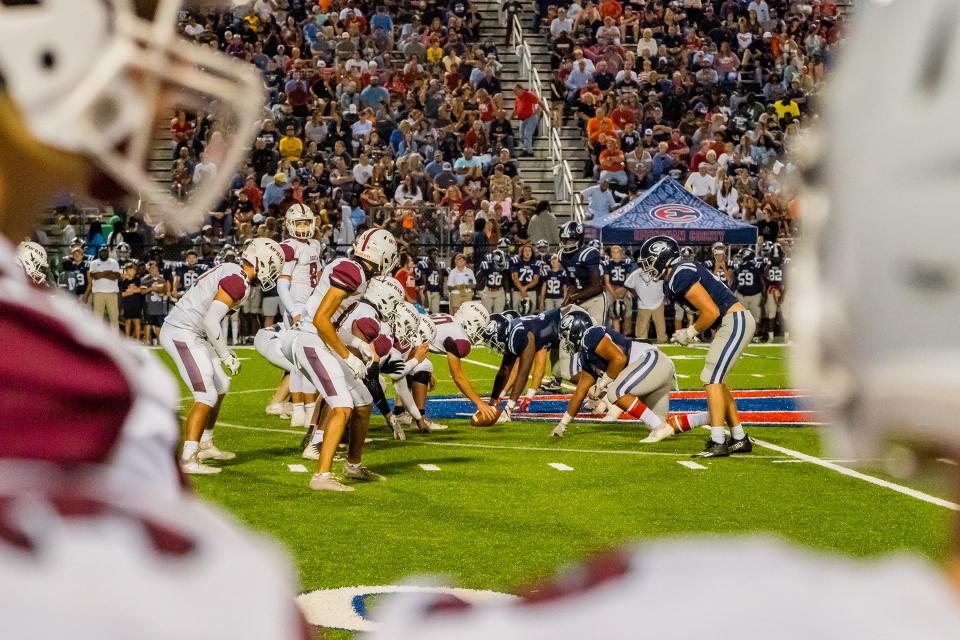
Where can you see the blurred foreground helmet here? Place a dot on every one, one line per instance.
(97, 78)
(876, 339)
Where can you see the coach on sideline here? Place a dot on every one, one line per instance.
(649, 305)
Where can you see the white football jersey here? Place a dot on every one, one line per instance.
(302, 265)
(192, 307)
(343, 273)
(108, 565)
(450, 336)
(792, 593)
(107, 402)
(362, 318)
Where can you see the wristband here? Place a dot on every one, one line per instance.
(692, 332)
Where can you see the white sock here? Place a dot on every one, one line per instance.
(189, 449)
(737, 432)
(651, 419)
(207, 436)
(354, 466)
(317, 437)
(718, 434)
(322, 474)
(698, 419)
(308, 412)
(614, 412)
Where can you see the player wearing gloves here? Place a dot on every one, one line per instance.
(341, 284)
(410, 349)
(633, 376)
(693, 286)
(192, 337)
(32, 258)
(301, 266)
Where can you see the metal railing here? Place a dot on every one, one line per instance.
(562, 176)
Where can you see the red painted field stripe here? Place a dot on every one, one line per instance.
(750, 417)
(694, 395)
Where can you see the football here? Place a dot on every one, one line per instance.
(476, 421)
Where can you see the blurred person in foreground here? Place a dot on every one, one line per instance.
(880, 376)
(93, 510)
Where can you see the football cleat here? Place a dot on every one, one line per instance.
(550, 386)
(656, 435)
(435, 426)
(209, 451)
(504, 417)
(713, 450)
(360, 472)
(739, 446)
(194, 467)
(311, 452)
(327, 482)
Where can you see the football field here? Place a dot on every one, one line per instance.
(494, 508)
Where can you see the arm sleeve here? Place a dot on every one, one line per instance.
(211, 324)
(372, 383)
(286, 298)
(403, 392)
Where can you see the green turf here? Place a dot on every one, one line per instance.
(497, 516)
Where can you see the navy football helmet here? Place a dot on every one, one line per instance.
(526, 306)
(510, 314)
(499, 260)
(571, 235)
(593, 242)
(618, 309)
(495, 333)
(572, 327)
(657, 254)
(542, 247)
(687, 253)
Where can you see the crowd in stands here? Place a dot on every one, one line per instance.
(377, 113)
(713, 93)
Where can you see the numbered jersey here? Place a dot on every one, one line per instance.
(580, 266)
(189, 275)
(429, 276)
(75, 276)
(193, 305)
(345, 274)
(718, 269)
(748, 278)
(617, 271)
(686, 274)
(450, 336)
(545, 328)
(360, 320)
(491, 278)
(302, 265)
(525, 270)
(553, 283)
(774, 275)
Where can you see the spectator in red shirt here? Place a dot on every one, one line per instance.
(611, 9)
(612, 161)
(405, 276)
(526, 109)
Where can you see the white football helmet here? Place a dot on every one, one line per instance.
(300, 221)
(473, 317)
(406, 325)
(378, 247)
(428, 330)
(267, 258)
(32, 258)
(91, 77)
(876, 339)
(384, 293)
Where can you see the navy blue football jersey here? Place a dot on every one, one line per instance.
(748, 278)
(544, 326)
(686, 274)
(589, 360)
(525, 270)
(774, 274)
(75, 274)
(580, 265)
(189, 275)
(618, 270)
(490, 278)
(554, 283)
(429, 276)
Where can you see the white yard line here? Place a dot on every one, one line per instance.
(429, 467)
(240, 426)
(886, 484)
(690, 464)
(559, 466)
(297, 468)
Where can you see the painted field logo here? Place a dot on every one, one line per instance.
(346, 608)
(676, 213)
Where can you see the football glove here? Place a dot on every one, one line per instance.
(398, 433)
(685, 336)
(391, 367)
(231, 362)
(357, 365)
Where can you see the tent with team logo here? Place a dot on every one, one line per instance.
(668, 209)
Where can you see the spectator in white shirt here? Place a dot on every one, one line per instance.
(560, 24)
(599, 199)
(728, 200)
(649, 305)
(648, 43)
(104, 285)
(762, 9)
(363, 170)
(461, 283)
(701, 184)
(203, 169)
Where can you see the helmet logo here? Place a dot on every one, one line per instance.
(675, 213)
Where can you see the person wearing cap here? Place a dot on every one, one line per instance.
(461, 283)
(276, 191)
